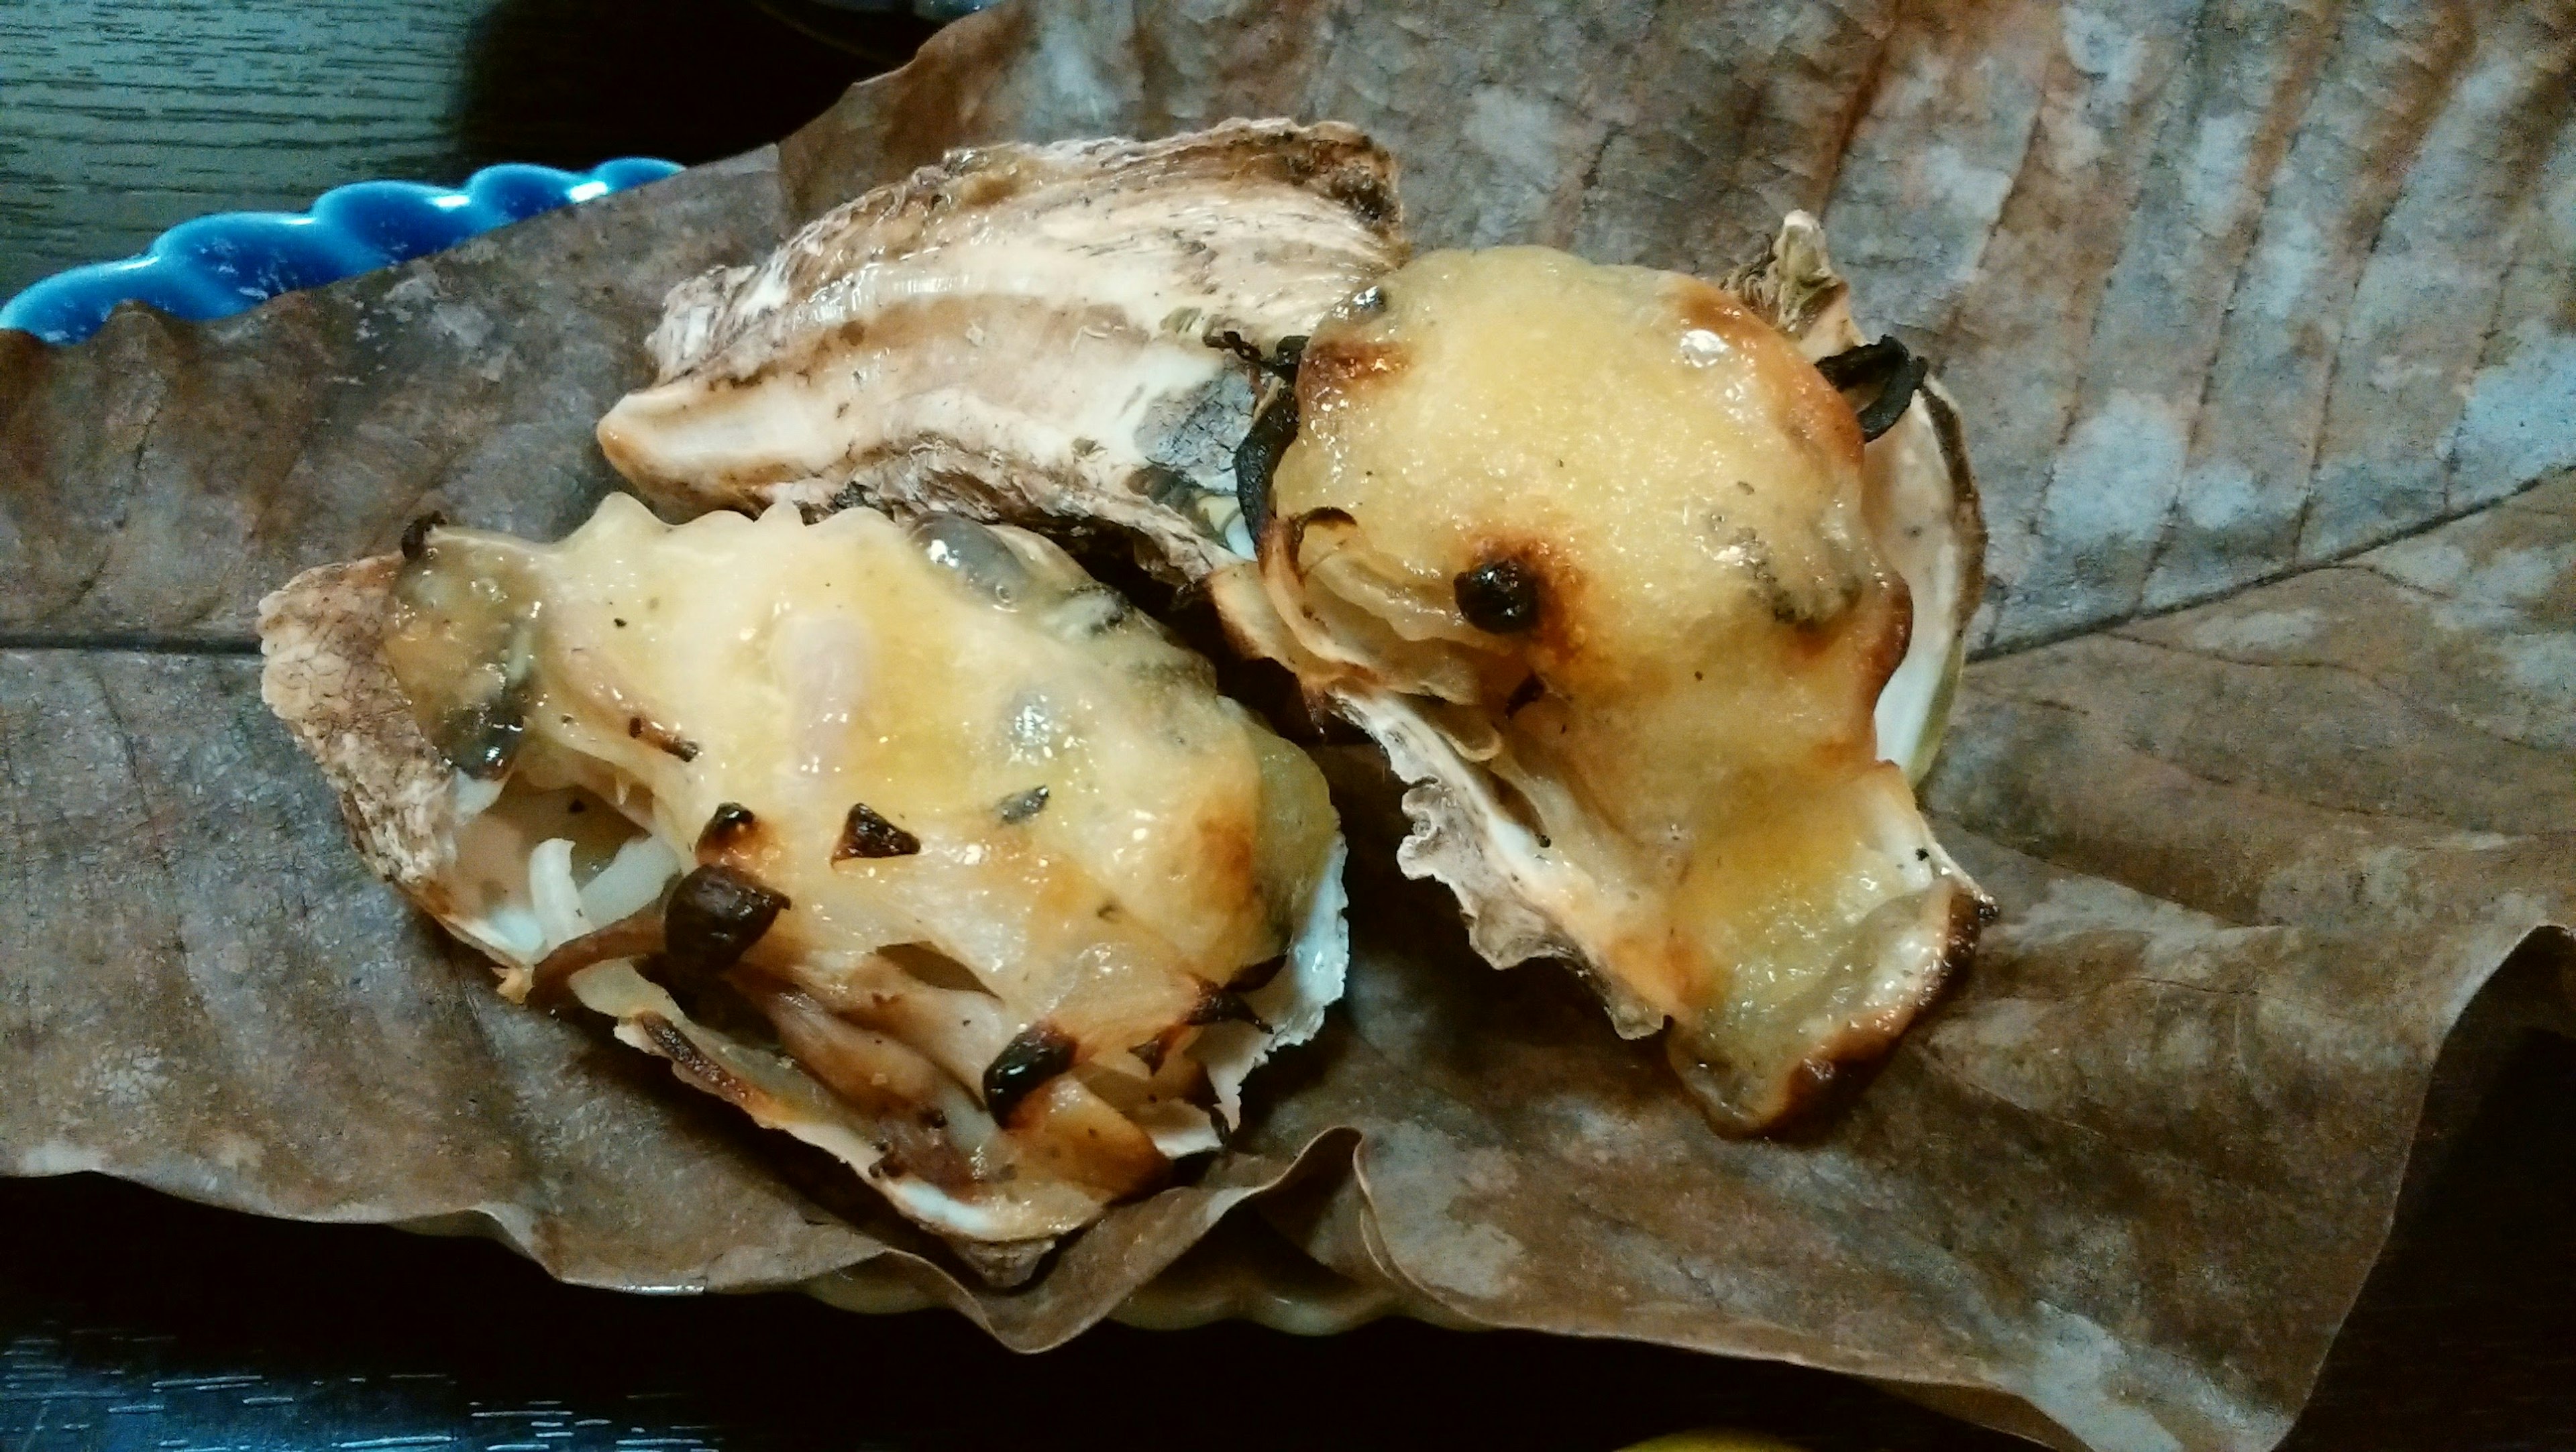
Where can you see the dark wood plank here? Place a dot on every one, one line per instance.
(119, 120)
(125, 119)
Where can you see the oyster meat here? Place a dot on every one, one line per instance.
(1065, 332)
(911, 840)
(1654, 590)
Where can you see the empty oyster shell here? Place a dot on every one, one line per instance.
(914, 843)
(1415, 603)
(1064, 332)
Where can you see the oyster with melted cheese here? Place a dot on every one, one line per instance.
(909, 839)
(1600, 558)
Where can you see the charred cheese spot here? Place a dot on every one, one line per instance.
(1040, 1053)
(1499, 597)
(866, 833)
(715, 915)
(729, 826)
(1333, 365)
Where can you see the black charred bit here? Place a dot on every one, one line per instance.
(1256, 459)
(483, 739)
(1364, 192)
(658, 967)
(726, 826)
(1039, 1053)
(1530, 689)
(415, 535)
(661, 738)
(692, 1062)
(715, 915)
(1500, 597)
(1020, 806)
(1864, 365)
(1891, 403)
(1240, 346)
(1282, 365)
(868, 834)
(1150, 1053)
(1886, 366)
(1220, 1004)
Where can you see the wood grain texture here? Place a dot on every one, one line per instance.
(119, 120)
(125, 119)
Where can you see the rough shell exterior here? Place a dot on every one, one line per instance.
(324, 679)
(1034, 334)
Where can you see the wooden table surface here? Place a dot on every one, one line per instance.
(130, 1321)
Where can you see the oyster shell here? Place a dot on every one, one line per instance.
(1056, 332)
(1870, 553)
(914, 843)
(1921, 495)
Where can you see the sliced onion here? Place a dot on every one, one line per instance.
(552, 894)
(631, 880)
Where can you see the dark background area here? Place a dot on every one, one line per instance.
(131, 1321)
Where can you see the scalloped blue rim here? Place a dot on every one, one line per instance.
(228, 262)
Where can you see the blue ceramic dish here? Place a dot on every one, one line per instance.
(219, 265)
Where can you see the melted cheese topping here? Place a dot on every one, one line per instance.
(1684, 722)
(1066, 825)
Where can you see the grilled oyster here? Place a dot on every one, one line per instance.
(1063, 332)
(1599, 557)
(913, 842)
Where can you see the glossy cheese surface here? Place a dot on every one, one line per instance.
(1012, 823)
